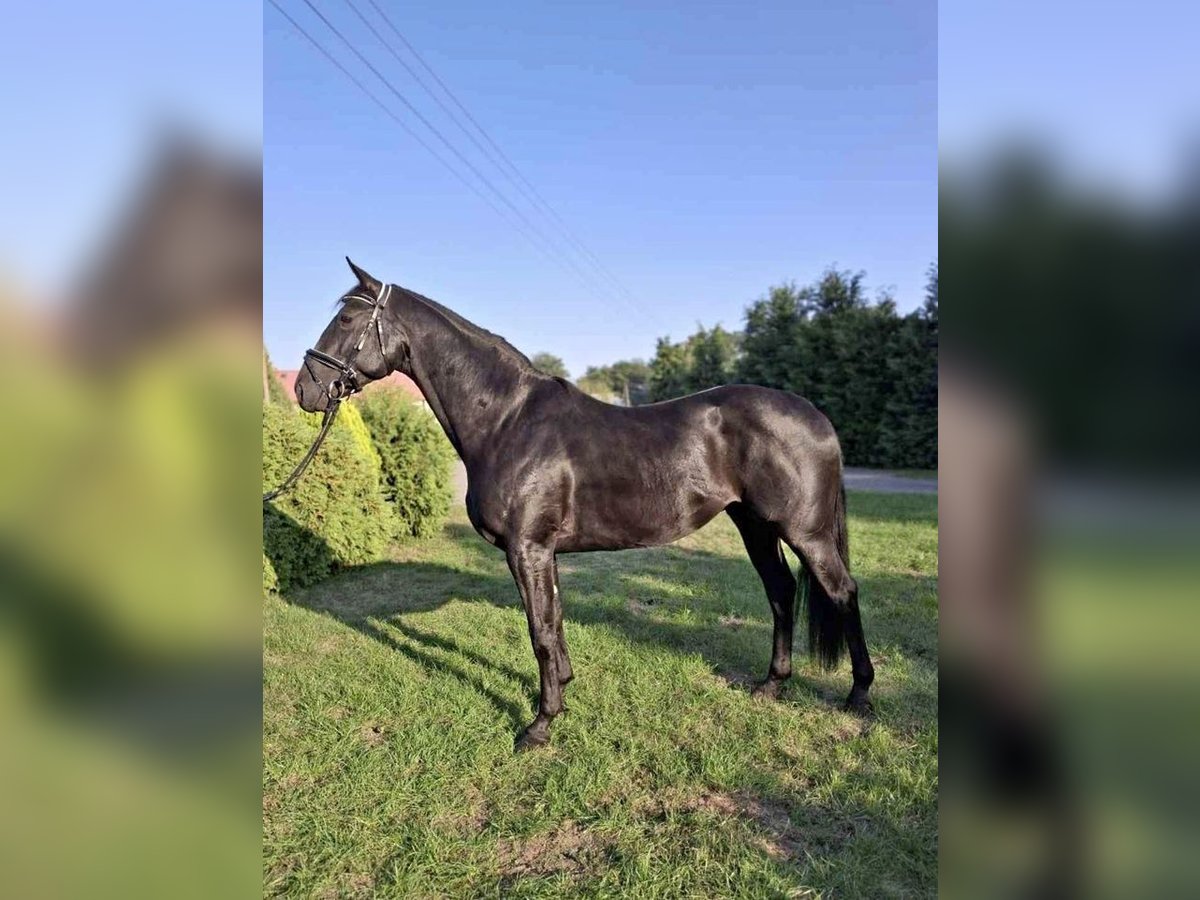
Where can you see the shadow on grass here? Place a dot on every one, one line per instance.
(413, 650)
(642, 594)
(82, 659)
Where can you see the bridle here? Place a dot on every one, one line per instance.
(345, 385)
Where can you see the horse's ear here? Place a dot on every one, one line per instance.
(365, 279)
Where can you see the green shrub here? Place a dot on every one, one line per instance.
(275, 391)
(350, 422)
(270, 579)
(416, 459)
(334, 516)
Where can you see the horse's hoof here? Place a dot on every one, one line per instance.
(769, 689)
(529, 740)
(859, 704)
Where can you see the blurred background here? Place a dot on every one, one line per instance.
(1069, 454)
(130, 346)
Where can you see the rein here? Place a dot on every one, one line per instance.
(341, 388)
(326, 424)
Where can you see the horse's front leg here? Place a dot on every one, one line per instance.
(533, 568)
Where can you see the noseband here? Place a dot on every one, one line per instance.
(347, 384)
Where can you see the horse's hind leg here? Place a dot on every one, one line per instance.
(766, 553)
(834, 620)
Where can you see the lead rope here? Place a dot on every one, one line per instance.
(347, 370)
(326, 423)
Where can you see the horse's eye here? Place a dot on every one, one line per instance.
(345, 320)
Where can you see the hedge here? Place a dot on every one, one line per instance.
(416, 459)
(334, 516)
(349, 422)
(275, 391)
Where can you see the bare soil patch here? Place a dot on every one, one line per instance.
(569, 848)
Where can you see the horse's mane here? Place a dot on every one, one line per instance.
(487, 337)
(466, 325)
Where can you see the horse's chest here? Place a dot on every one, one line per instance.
(485, 519)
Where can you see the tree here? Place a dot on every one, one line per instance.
(931, 297)
(670, 370)
(550, 364)
(770, 337)
(626, 382)
(872, 371)
(908, 433)
(712, 358)
(630, 378)
(597, 382)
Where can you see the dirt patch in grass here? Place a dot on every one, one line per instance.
(852, 728)
(779, 838)
(279, 875)
(568, 849)
(328, 644)
(294, 780)
(372, 735)
(770, 820)
(742, 681)
(275, 797)
(471, 818)
(639, 607)
(349, 885)
(732, 622)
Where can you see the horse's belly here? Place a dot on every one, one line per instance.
(616, 520)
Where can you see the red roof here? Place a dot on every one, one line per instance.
(287, 377)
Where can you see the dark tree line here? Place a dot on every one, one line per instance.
(870, 369)
(1081, 306)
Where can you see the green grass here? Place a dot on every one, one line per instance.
(922, 474)
(392, 694)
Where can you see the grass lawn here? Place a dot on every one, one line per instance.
(392, 694)
(920, 474)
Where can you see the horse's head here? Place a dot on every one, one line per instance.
(356, 347)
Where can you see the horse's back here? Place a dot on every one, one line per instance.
(645, 475)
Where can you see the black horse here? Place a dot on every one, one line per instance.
(552, 470)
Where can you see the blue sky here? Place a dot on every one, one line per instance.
(84, 94)
(1111, 90)
(703, 151)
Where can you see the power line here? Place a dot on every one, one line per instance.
(587, 281)
(495, 155)
(515, 224)
(428, 90)
(388, 111)
(520, 181)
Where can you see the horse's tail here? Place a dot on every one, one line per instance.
(827, 612)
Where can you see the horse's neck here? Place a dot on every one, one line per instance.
(471, 384)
